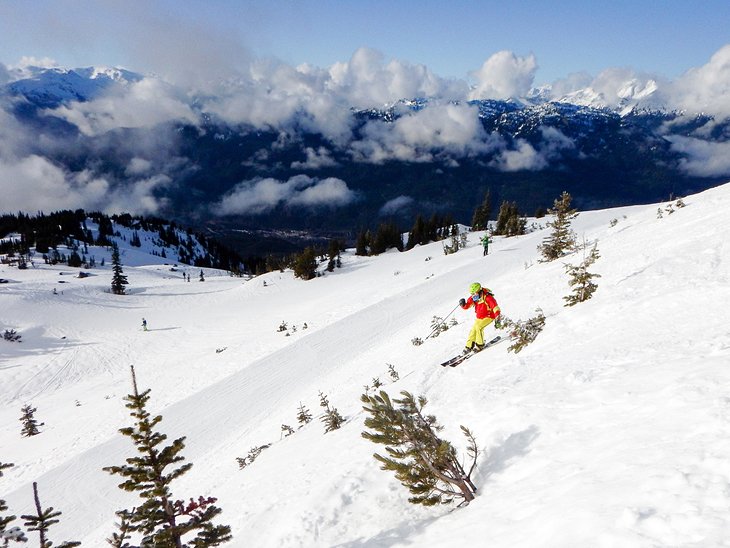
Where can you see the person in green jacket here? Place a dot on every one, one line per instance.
(485, 243)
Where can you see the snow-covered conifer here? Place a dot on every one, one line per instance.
(522, 332)
(119, 280)
(8, 533)
(332, 419)
(160, 519)
(30, 424)
(423, 462)
(562, 239)
(581, 280)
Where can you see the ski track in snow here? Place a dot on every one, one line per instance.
(612, 429)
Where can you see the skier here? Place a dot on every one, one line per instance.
(485, 243)
(144, 324)
(486, 309)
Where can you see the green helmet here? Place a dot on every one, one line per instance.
(475, 288)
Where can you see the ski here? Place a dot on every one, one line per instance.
(456, 360)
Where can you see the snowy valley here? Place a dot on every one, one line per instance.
(611, 429)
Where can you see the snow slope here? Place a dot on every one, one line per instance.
(611, 429)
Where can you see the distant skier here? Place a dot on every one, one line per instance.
(144, 324)
(486, 309)
(485, 243)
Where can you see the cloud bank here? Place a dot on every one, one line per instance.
(259, 196)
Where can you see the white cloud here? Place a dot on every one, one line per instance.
(451, 129)
(504, 75)
(395, 205)
(258, 196)
(705, 88)
(703, 158)
(315, 159)
(525, 157)
(522, 157)
(139, 104)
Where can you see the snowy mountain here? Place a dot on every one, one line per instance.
(51, 87)
(611, 429)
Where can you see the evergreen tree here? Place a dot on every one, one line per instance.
(581, 280)
(202, 276)
(119, 540)
(562, 239)
(387, 236)
(509, 220)
(483, 211)
(7, 533)
(332, 419)
(362, 243)
(119, 280)
(161, 520)
(423, 462)
(305, 265)
(303, 416)
(418, 234)
(522, 332)
(30, 424)
(42, 520)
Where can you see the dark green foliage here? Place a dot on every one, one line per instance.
(362, 243)
(119, 280)
(30, 424)
(333, 253)
(305, 264)
(161, 520)
(8, 533)
(483, 211)
(509, 220)
(522, 332)
(561, 240)
(42, 520)
(386, 237)
(74, 260)
(332, 419)
(581, 280)
(423, 462)
(11, 335)
(134, 241)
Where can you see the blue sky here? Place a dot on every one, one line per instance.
(451, 38)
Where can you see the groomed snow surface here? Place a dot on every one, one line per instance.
(611, 430)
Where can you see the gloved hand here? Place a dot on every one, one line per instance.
(462, 302)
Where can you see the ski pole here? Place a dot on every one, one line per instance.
(435, 329)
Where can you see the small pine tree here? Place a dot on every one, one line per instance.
(523, 332)
(8, 533)
(509, 221)
(202, 276)
(286, 430)
(305, 264)
(562, 239)
(423, 462)
(42, 520)
(253, 454)
(393, 373)
(581, 280)
(332, 419)
(303, 416)
(30, 424)
(481, 215)
(119, 280)
(161, 520)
